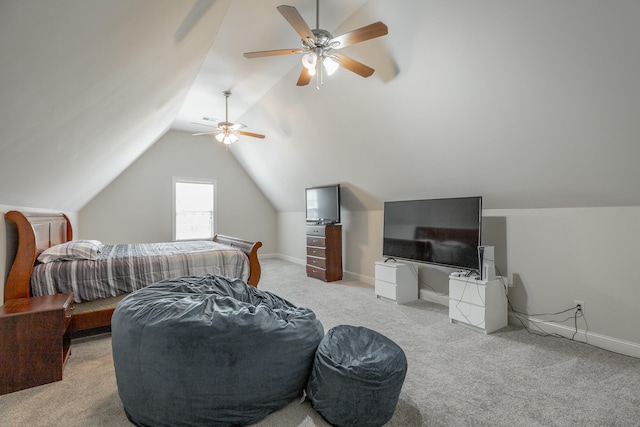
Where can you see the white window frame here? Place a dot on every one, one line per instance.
(175, 181)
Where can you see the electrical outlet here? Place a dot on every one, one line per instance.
(579, 305)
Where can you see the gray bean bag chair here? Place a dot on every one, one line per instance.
(211, 351)
(356, 377)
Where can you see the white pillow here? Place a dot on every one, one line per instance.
(72, 250)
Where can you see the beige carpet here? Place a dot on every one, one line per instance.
(456, 376)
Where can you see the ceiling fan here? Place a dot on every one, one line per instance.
(318, 47)
(226, 131)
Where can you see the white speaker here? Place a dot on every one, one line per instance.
(487, 263)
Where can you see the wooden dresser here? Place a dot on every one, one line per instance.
(34, 340)
(324, 252)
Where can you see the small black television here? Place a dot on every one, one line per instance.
(323, 204)
(444, 232)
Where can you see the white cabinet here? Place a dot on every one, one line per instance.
(396, 281)
(479, 303)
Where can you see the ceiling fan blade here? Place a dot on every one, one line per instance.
(294, 18)
(276, 52)
(367, 32)
(255, 135)
(202, 124)
(304, 78)
(207, 133)
(353, 65)
(236, 126)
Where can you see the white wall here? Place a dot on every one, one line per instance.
(137, 206)
(543, 96)
(554, 256)
(557, 256)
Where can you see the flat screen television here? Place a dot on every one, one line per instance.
(437, 231)
(323, 204)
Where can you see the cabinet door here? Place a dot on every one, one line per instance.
(319, 242)
(317, 262)
(318, 273)
(316, 230)
(387, 273)
(316, 252)
(468, 291)
(467, 313)
(386, 289)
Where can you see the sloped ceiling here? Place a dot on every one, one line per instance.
(87, 86)
(529, 104)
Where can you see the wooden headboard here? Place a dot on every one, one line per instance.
(36, 232)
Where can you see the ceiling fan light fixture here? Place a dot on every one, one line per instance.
(309, 61)
(227, 138)
(330, 64)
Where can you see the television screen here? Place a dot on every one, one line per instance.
(438, 231)
(323, 204)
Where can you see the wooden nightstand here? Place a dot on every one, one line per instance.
(34, 340)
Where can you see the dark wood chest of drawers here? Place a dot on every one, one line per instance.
(324, 252)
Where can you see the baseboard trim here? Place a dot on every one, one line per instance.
(604, 342)
(348, 275)
(615, 345)
(290, 259)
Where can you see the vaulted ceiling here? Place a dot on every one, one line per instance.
(529, 104)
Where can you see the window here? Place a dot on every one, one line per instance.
(193, 207)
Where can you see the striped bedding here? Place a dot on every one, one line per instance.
(125, 268)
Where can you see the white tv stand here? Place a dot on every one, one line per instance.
(478, 303)
(396, 281)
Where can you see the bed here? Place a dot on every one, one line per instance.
(40, 232)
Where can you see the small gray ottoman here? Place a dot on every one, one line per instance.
(356, 377)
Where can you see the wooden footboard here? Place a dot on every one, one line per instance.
(37, 232)
(249, 248)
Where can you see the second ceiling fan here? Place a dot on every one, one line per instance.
(226, 132)
(318, 47)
